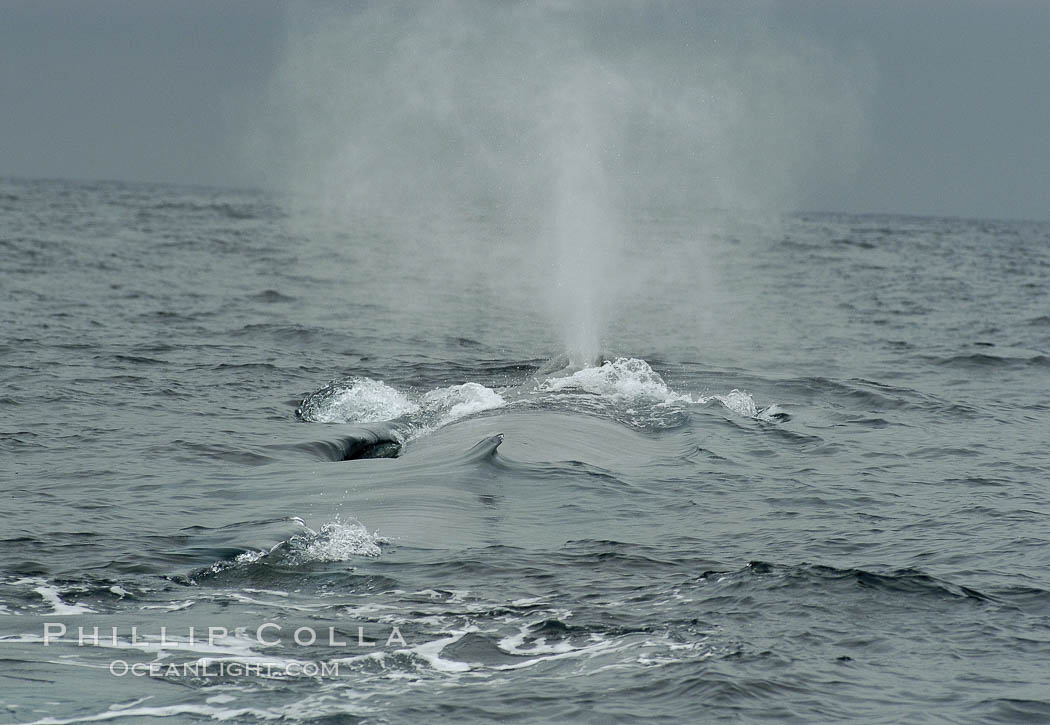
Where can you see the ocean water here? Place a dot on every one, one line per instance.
(806, 480)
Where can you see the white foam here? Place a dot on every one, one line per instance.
(633, 382)
(51, 595)
(430, 652)
(514, 644)
(735, 400)
(275, 592)
(249, 556)
(167, 711)
(546, 653)
(126, 705)
(744, 404)
(252, 600)
(172, 606)
(630, 383)
(336, 540)
(459, 401)
(357, 400)
(364, 400)
(25, 638)
(623, 379)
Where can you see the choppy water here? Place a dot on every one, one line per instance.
(809, 481)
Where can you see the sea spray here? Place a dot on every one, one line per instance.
(501, 148)
(586, 232)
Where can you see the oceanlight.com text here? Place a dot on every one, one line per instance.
(222, 668)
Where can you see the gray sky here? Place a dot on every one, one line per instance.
(957, 111)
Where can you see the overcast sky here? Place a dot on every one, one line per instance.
(957, 112)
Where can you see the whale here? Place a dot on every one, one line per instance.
(377, 440)
(371, 440)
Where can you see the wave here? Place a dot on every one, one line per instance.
(983, 360)
(907, 581)
(240, 210)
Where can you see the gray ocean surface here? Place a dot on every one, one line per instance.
(806, 480)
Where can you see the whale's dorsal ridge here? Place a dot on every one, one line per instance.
(485, 448)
